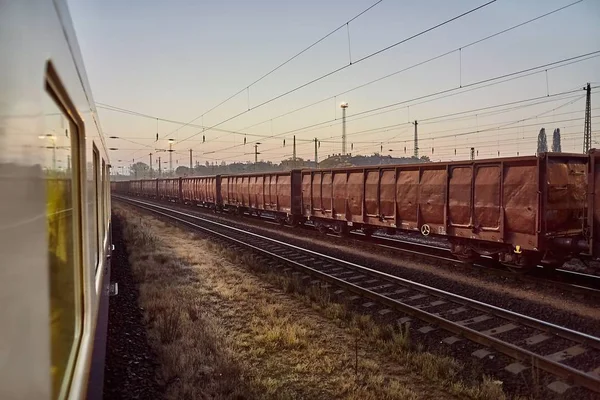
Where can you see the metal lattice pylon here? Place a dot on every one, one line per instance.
(587, 127)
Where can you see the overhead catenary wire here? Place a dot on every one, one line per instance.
(395, 73)
(247, 87)
(343, 67)
(419, 63)
(496, 125)
(445, 91)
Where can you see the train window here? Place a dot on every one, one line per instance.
(102, 202)
(93, 205)
(60, 142)
(107, 199)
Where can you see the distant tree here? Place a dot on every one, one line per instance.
(140, 170)
(556, 147)
(182, 171)
(542, 145)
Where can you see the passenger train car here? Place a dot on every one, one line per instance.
(55, 238)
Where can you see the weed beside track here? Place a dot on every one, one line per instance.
(226, 327)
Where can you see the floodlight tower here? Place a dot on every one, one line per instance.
(343, 106)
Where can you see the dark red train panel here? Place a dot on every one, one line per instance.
(275, 191)
(523, 201)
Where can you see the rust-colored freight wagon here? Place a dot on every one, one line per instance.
(276, 192)
(148, 187)
(120, 186)
(133, 187)
(202, 190)
(169, 188)
(512, 208)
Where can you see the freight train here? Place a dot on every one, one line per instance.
(521, 211)
(55, 241)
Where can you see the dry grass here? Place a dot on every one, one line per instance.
(224, 332)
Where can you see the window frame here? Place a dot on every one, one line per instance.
(54, 88)
(94, 200)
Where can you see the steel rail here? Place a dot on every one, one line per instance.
(566, 372)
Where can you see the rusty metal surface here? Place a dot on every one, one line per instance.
(265, 191)
(168, 187)
(201, 189)
(594, 203)
(487, 198)
(460, 195)
(407, 191)
(495, 200)
(566, 195)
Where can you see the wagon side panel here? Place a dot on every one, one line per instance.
(356, 195)
(407, 198)
(340, 193)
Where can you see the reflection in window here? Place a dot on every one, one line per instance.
(93, 206)
(57, 144)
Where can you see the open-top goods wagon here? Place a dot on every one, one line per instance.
(202, 190)
(519, 210)
(169, 188)
(274, 192)
(148, 187)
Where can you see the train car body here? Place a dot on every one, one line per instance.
(511, 208)
(278, 193)
(147, 188)
(55, 240)
(169, 188)
(202, 190)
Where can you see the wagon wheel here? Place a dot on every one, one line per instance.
(368, 232)
(290, 220)
(340, 229)
(466, 257)
(322, 229)
(425, 230)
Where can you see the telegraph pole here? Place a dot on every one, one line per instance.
(256, 153)
(191, 166)
(150, 165)
(344, 106)
(587, 125)
(316, 155)
(416, 144)
(294, 153)
(159, 167)
(171, 156)
(472, 153)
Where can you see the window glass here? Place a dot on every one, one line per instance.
(93, 206)
(103, 202)
(59, 144)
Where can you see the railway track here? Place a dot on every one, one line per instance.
(585, 285)
(572, 356)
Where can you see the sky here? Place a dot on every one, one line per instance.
(179, 59)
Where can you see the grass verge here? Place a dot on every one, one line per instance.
(224, 326)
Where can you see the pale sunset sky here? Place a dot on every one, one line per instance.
(178, 59)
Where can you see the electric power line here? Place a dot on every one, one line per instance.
(247, 87)
(344, 67)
